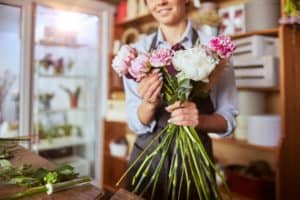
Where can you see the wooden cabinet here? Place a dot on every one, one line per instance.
(113, 167)
(283, 100)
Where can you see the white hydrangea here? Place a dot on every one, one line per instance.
(194, 63)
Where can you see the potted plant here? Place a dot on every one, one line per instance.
(45, 100)
(73, 96)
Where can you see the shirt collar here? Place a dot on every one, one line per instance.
(186, 36)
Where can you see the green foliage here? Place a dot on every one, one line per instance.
(27, 176)
(57, 131)
(292, 7)
(75, 93)
(51, 177)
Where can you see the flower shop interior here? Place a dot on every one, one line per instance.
(62, 104)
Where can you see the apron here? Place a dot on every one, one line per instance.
(205, 106)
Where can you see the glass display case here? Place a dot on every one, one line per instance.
(10, 68)
(66, 86)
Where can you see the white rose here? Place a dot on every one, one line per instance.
(194, 64)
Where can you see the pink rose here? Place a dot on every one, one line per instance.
(139, 67)
(222, 45)
(122, 61)
(161, 57)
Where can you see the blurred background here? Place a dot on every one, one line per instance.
(57, 85)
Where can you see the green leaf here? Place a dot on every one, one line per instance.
(5, 163)
(25, 181)
(51, 177)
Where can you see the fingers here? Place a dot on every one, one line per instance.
(177, 105)
(185, 114)
(155, 95)
(149, 88)
(184, 121)
(173, 107)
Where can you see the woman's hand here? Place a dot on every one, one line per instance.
(149, 88)
(185, 114)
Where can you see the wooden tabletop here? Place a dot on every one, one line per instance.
(82, 192)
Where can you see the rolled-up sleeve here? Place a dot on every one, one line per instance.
(226, 100)
(132, 103)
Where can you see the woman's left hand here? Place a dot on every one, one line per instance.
(185, 114)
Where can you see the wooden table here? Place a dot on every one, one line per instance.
(82, 192)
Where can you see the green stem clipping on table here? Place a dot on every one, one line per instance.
(38, 180)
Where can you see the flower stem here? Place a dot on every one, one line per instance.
(41, 189)
(67, 184)
(140, 156)
(26, 193)
(210, 163)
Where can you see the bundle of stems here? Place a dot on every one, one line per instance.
(190, 163)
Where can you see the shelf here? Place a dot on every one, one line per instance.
(63, 76)
(243, 144)
(59, 44)
(266, 32)
(57, 143)
(63, 110)
(256, 89)
(134, 21)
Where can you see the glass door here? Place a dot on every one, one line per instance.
(66, 76)
(10, 69)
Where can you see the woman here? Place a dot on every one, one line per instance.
(147, 115)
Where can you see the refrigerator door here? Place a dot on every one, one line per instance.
(66, 86)
(10, 69)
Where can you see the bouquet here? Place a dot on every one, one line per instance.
(181, 70)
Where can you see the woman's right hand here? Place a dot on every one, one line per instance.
(149, 87)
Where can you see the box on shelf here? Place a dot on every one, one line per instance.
(251, 16)
(251, 102)
(233, 19)
(260, 72)
(261, 14)
(132, 9)
(264, 130)
(254, 47)
(240, 132)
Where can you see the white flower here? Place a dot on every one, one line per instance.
(194, 63)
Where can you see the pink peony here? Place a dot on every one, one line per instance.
(140, 66)
(161, 57)
(222, 45)
(122, 61)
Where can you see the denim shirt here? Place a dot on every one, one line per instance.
(223, 94)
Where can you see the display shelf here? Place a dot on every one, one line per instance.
(134, 21)
(56, 143)
(243, 144)
(58, 110)
(259, 89)
(64, 76)
(45, 42)
(266, 32)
